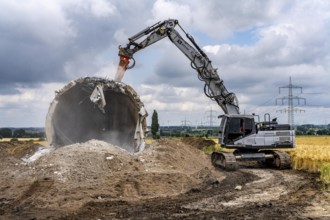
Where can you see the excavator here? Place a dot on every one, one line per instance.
(247, 136)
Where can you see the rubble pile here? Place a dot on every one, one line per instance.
(70, 176)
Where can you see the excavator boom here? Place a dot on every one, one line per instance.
(213, 87)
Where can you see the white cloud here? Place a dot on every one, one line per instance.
(28, 96)
(43, 20)
(223, 18)
(102, 8)
(163, 10)
(29, 107)
(120, 36)
(168, 98)
(214, 49)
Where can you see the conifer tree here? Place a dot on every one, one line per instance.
(154, 124)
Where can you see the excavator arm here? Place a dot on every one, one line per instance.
(213, 87)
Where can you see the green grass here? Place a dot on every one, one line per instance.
(216, 147)
(325, 175)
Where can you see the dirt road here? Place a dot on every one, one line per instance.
(169, 180)
(245, 194)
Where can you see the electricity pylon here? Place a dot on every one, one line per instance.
(290, 99)
(211, 117)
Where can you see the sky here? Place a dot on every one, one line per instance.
(256, 46)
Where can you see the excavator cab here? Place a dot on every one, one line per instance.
(235, 127)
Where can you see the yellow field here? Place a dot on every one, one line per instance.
(311, 153)
(35, 140)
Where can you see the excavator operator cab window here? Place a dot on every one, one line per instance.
(235, 126)
(221, 134)
(239, 126)
(249, 123)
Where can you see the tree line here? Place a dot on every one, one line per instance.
(158, 131)
(311, 129)
(21, 133)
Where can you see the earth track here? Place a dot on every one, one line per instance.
(256, 194)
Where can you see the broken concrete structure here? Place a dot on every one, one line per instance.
(97, 108)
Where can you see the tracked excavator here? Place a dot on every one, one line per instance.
(249, 136)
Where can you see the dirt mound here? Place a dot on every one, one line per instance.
(198, 142)
(70, 176)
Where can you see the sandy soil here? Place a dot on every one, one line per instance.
(168, 180)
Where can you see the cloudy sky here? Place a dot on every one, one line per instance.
(256, 46)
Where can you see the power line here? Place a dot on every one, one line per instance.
(290, 99)
(211, 117)
(185, 123)
(253, 109)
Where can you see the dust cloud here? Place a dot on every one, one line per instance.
(120, 73)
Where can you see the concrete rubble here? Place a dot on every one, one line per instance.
(97, 108)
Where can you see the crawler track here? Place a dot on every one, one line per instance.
(226, 161)
(281, 160)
